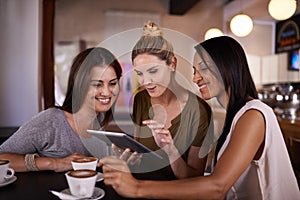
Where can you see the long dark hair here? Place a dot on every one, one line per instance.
(79, 78)
(230, 59)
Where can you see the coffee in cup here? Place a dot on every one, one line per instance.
(5, 171)
(85, 163)
(81, 182)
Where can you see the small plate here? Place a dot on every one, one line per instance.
(98, 193)
(8, 181)
(100, 177)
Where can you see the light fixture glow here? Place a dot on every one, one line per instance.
(282, 9)
(212, 32)
(241, 25)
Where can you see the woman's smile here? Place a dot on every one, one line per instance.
(202, 87)
(104, 101)
(151, 88)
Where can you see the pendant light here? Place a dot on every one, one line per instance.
(241, 25)
(212, 32)
(282, 9)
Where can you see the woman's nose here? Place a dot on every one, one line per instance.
(147, 80)
(105, 91)
(194, 78)
(197, 78)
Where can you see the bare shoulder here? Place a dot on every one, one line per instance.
(252, 116)
(251, 122)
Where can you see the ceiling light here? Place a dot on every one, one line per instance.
(212, 32)
(241, 25)
(282, 9)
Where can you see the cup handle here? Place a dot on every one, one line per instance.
(10, 174)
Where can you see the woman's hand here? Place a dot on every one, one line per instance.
(59, 164)
(117, 174)
(162, 137)
(126, 155)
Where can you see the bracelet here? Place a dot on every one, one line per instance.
(30, 162)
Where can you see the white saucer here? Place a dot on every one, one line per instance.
(100, 177)
(98, 193)
(8, 181)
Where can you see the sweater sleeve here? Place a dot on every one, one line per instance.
(27, 138)
(48, 134)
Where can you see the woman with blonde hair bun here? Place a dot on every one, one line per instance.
(168, 118)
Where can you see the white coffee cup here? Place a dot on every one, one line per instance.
(85, 163)
(81, 182)
(5, 171)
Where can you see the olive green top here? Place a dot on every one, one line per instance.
(188, 129)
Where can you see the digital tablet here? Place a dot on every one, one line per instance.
(123, 141)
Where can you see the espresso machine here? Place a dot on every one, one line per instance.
(284, 98)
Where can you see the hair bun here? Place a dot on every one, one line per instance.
(151, 29)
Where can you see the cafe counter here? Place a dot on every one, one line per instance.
(290, 128)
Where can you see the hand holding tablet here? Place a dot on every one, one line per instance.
(132, 158)
(123, 141)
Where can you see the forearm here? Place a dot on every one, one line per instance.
(44, 163)
(17, 162)
(192, 188)
(117, 174)
(181, 168)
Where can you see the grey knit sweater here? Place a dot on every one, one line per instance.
(50, 135)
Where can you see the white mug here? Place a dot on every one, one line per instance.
(85, 163)
(81, 182)
(5, 171)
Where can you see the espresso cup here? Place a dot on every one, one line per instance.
(5, 171)
(85, 163)
(81, 182)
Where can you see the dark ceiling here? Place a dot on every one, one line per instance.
(180, 7)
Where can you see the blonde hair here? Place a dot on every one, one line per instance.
(152, 42)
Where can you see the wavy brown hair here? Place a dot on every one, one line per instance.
(79, 78)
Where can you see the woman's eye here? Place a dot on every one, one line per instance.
(138, 73)
(113, 83)
(96, 85)
(203, 68)
(153, 71)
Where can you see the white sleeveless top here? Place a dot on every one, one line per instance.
(271, 177)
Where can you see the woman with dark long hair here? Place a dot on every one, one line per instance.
(56, 136)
